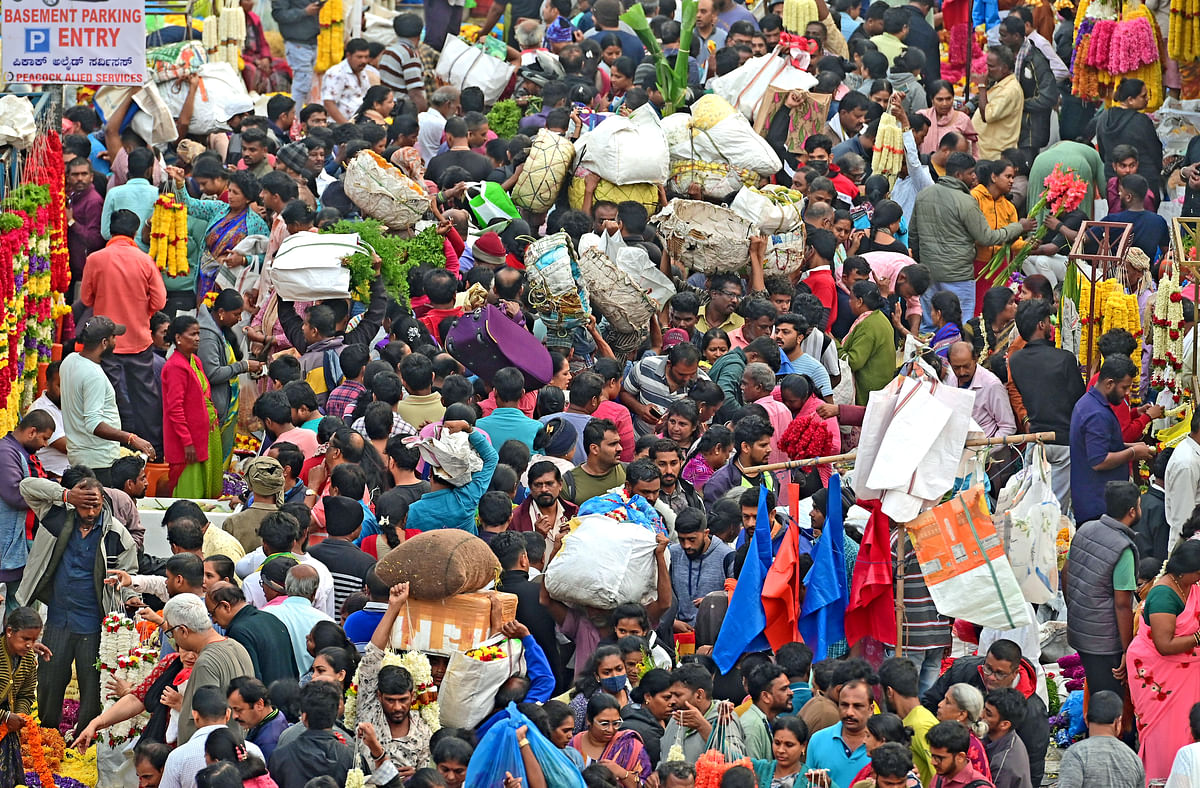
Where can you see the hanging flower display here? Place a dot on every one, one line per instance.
(1166, 320)
(123, 656)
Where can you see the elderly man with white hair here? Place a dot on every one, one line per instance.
(290, 587)
(221, 660)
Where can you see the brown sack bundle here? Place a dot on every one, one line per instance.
(440, 564)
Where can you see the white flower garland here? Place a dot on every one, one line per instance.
(424, 692)
(123, 657)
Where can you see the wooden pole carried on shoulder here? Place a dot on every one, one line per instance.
(1008, 440)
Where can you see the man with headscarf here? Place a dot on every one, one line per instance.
(264, 475)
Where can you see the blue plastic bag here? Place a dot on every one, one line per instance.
(498, 754)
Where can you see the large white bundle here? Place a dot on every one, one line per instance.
(308, 266)
(732, 141)
(626, 150)
(464, 66)
(222, 84)
(773, 209)
(604, 563)
(745, 87)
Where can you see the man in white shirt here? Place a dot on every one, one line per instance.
(431, 123)
(281, 533)
(89, 403)
(210, 711)
(1182, 483)
(54, 454)
(345, 84)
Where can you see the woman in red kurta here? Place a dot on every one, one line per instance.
(191, 435)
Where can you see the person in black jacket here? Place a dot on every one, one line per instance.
(1151, 531)
(509, 547)
(1037, 84)
(650, 711)
(1003, 666)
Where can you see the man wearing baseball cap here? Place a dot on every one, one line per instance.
(89, 403)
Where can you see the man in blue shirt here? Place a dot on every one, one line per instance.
(1098, 452)
(454, 491)
(361, 624)
(508, 421)
(137, 194)
(1150, 233)
(841, 750)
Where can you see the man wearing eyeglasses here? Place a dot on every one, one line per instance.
(1002, 667)
(724, 295)
(221, 659)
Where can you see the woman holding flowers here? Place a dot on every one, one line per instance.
(191, 431)
(18, 688)
(229, 223)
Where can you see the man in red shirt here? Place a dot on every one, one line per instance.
(122, 282)
(818, 265)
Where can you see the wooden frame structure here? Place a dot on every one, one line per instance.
(1112, 240)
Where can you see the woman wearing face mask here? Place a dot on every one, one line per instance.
(603, 674)
(620, 751)
(650, 711)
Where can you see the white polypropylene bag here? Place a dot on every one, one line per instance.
(626, 150)
(466, 699)
(745, 87)
(221, 85)
(604, 563)
(733, 141)
(464, 66)
(308, 266)
(1029, 524)
(771, 217)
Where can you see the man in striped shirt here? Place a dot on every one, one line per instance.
(346, 562)
(400, 64)
(654, 383)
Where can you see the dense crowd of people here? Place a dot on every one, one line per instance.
(341, 428)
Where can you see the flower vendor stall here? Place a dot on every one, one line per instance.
(1115, 41)
(1095, 281)
(34, 264)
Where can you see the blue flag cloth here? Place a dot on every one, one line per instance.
(823, 615)
(742, 629)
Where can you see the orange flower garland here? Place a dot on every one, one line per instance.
(34, 754)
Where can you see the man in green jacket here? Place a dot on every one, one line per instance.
(945, 228)
(727, 370)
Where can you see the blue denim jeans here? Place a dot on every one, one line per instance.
(966, 299)
(928, 663)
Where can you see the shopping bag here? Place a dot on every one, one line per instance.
(963, 563)
(468, 690)
(492, 207)
(805, 120)
(1029, 527)
(495, 755)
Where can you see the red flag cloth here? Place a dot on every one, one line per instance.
(871, 609)
(955, 12)
(781, 591)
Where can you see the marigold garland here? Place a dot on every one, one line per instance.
(33, 754)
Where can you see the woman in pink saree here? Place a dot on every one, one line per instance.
(1162, 663)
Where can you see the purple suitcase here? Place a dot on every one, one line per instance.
(487, 340)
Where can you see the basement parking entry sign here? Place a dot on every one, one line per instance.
(84, 42)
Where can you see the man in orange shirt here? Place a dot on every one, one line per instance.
(122, 282)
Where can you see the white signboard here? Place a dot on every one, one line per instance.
(87, 42)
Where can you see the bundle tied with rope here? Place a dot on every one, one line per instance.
(544, 173)
(383, 192)
(707, 238)
(556, 289)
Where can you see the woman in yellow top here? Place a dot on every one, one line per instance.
(995, 183)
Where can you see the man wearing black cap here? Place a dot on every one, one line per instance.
(346, 561)
(89, 403)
